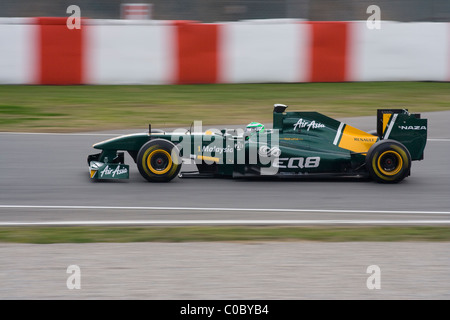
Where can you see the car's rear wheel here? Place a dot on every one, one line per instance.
(388, 161)
(159, 161)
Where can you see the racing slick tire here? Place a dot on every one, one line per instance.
(388, 161)
(159, 161)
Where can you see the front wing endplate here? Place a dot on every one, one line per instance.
(100, 170)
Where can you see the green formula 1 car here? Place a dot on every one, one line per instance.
(299, 144)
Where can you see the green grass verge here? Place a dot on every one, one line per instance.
(48, 235)
(88, 108)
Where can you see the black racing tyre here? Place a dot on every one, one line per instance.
(388, 161)
(159, 161)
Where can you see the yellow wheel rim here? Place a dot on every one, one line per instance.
(390, 163)
(156, 170)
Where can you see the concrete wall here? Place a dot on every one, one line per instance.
(45, 51)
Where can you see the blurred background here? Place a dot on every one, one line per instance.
(173, 42)
(232, 10)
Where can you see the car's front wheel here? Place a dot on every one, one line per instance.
(159, 161)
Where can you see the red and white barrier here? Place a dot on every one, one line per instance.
(401, 52)
(18, 56)
(264, 52)
(128, 54)
(45, 51)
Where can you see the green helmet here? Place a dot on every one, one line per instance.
(253, 127)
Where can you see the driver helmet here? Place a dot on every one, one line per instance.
(254, 127)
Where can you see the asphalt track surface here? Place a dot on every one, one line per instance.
(44, 180)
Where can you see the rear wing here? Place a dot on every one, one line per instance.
(404, 127)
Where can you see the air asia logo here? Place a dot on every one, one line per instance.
(412, 127)
(297, 163)
(113, 172)
(308, 124)
(265, 151)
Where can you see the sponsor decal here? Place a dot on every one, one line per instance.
(265, 151)
(412, 127)
(297, 163)
(113, 172)
(308, 124)
(365, 139)
(292, 139)
(216, 149)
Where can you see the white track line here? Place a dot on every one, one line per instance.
(438, 140)
(225, 222)
(48, 207)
